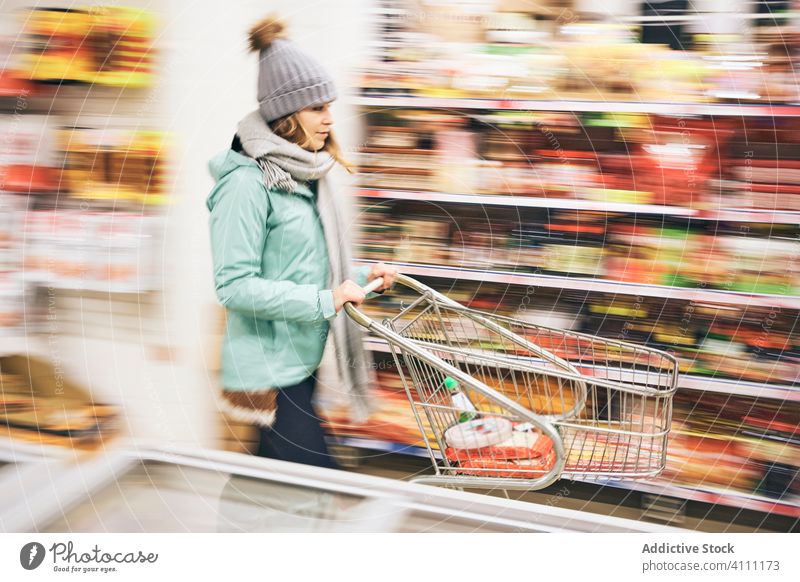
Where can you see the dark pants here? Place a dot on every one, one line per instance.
(297, 435)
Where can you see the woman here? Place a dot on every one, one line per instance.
(281, 255)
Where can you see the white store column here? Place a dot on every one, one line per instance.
(209, 83)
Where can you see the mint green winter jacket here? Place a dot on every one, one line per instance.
(270, 273)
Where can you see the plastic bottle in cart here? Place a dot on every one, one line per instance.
(461, 401)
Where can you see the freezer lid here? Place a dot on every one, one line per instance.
(14, 451)
(191, 490)
(439, 509)
(144, 492)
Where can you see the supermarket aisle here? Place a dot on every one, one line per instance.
(504, 157)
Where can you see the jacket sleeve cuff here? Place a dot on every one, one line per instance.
(327, 304)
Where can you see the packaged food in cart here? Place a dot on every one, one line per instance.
(530, 444)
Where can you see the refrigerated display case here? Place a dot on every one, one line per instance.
(182, 490)
(14, 452)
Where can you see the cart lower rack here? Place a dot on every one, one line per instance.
(503, 403)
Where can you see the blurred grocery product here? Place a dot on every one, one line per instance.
(95, 250)
(392, 421)
(115, 164)
(12, 284)
(747, 445)
(105, 45)
(41, 406)
(558, 50)
(56, 45)
(12, 305)
(12, 83)
(29, 158)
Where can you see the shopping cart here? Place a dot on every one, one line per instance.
(503, 403)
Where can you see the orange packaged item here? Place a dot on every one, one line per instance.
(517, 469)
(30, 179)
(521, 445)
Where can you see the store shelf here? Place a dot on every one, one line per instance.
(587, 106)
(730, 215)
(685, 382)
(379, 445)
(13, 88)
(21, 345)
(740, 388)
(760, 216)
(96, 286)
(18, 451)
(524, 201)
(10, 345)
(710, 495)
(598, 285)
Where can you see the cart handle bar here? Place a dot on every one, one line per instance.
(423, 289)
(364, 321)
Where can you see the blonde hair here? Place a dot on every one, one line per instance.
(290, 128)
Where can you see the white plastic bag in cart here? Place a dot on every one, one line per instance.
(479, 433)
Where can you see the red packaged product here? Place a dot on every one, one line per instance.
(516, 469)
(521, 445)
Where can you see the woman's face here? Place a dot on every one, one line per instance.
(317, 122)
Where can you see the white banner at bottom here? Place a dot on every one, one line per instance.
(412, 557)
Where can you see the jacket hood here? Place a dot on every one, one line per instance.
(220, 166)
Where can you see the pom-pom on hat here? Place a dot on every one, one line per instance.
(288, 79)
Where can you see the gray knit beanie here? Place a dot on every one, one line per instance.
(288, 79)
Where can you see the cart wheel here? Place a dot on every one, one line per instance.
(348, 457)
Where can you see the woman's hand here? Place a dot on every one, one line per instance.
(388, 273)
(347, 291)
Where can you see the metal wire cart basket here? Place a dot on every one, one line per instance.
(506, 404)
